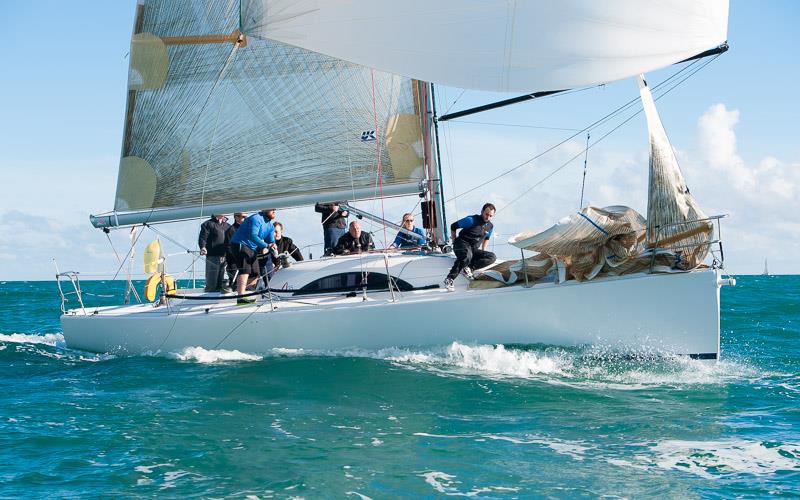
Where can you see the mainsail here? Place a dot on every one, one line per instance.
(218, 121)
(497, 45)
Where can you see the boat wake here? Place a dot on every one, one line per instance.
(51, 339)
(580, 368)
(591, 367)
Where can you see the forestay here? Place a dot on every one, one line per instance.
(497, 45)
(218, 121)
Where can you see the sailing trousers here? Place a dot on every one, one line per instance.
(332, 235)
(469, 255)
(215, 273)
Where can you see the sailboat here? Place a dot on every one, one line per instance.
(766, 269)
(239, 105)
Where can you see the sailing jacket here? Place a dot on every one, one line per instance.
(287, 245)
(255, 232)
(473, 229)
(230, 232)
(403, 240)
(354, 245)
(212, 237)
(336, 220)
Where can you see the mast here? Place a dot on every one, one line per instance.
(437, 196)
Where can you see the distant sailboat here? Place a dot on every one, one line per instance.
(766, 269)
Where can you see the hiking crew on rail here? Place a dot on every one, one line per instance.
(471, 243)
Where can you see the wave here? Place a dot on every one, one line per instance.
(51, 339)
(588, 368)
(580, 368)
(201, 355)
(711, 459)
(450, 485)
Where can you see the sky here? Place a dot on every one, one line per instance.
(62, 100)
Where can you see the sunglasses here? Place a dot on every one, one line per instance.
(408, 220)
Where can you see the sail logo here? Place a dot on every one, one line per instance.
(369, 135)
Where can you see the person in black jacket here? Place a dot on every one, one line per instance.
(238, 218)
(285, 246)
(354, 241)
(213, 245)
(471, 243)
(334, 224)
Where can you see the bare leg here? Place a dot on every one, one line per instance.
(241, 283)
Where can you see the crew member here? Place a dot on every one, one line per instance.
(230, 260)
(334, 224)
(254, 237)
(354, 240)
(286, 247)
(212, 245)
(471, 243)
(403, 240)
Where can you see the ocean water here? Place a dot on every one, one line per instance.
(479, 421)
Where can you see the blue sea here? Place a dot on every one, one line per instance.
(480, 421)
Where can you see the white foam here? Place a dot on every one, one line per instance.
(711, 459)
(285, 351)
(202, 355)
(574, 449)
(148, 469)
(51, 339)
(359, 495)
(447, 484)
(494, 360)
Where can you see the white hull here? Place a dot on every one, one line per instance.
(672, 312)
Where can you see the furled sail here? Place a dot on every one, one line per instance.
(218, 121)
(497, 45)
(674, 218)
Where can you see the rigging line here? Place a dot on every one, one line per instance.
(454, 102)
(159, 233)
(239, 324)
(127, 255)
(585, 163)
(110, 242)
(594, 124)
(210, 146)
(378, 150)
(670, 89)
(220, 75)
(108, 235)
(514, 125)
(448, 143)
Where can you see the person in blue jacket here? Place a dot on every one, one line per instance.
(255, 236)
(471, 243)
(403, 240)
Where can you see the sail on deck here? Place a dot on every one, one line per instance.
(674, 218)
(218, 121)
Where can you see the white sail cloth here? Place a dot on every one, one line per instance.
(497, 45)
(213, 128)
(674, 218)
